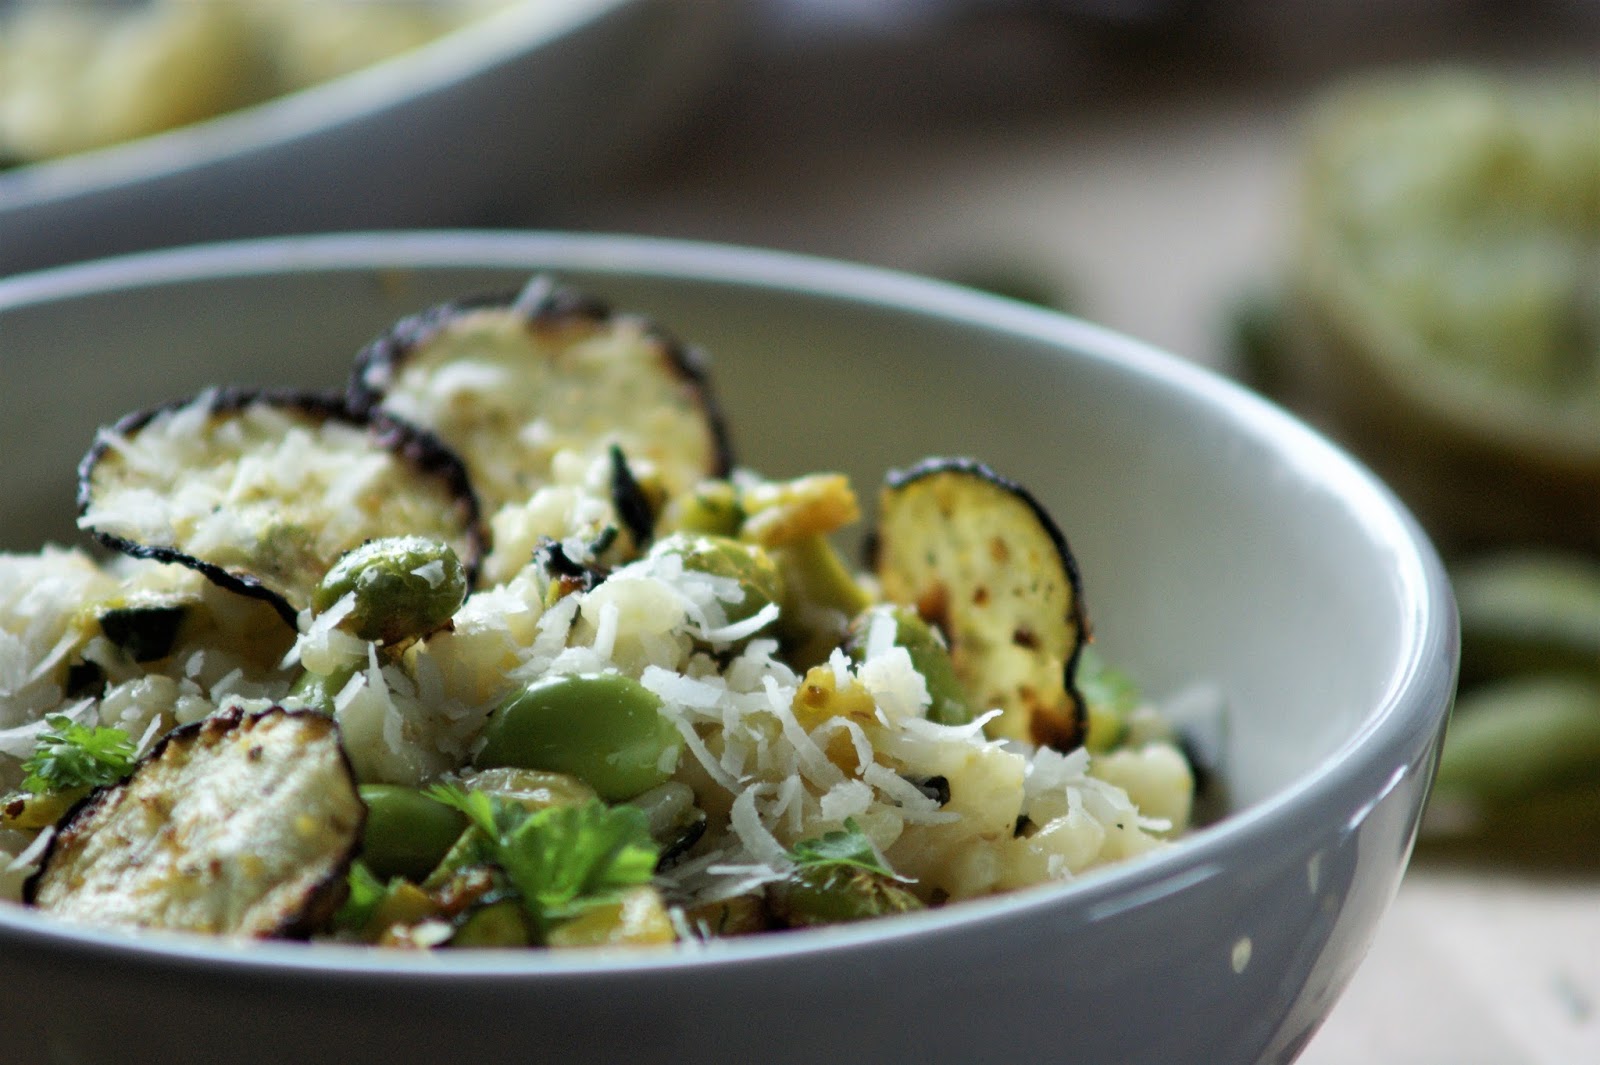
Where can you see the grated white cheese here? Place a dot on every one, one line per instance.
(767, 775)
(748, 824)
(275, 491)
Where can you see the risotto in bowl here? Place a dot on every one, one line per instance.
(521, 643)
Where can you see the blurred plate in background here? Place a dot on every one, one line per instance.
(499, 118)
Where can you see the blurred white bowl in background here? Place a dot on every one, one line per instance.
(523, 108)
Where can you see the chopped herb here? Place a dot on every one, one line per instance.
(562, 860)
(837, 878)
(629, 499)
(146, 633)
(568, 574)
(553, 558)
(69, 755)
(936, 787)
(603, 540)
(846, 847)
(366, 892)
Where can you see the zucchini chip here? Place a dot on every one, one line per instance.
(263, 491)
(976, 555)
(243, 824)
(510, 381)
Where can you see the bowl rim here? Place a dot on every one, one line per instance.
(455, 56)
(1351, 781)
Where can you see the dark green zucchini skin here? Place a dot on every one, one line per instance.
(146, 633)
(417, 448)
(1063, 733)
(542, 304)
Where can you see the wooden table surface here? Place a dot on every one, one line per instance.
(1151, 186)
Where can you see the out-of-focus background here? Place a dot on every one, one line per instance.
(1383, 213)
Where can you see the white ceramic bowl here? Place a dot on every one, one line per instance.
(509, 116)
(1219, 539)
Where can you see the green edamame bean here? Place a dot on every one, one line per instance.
(811, 896)
(740, 915)
(405, 587)
(929, 657)
(407, 833)
(721, 556)
(820, 596)
(531, 789)
(318, 690)
(603, 728)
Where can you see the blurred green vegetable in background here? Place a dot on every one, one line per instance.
(1441, 317)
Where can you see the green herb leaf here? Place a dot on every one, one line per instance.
(365, 895)
(69, 755)
(562, 860)
(569, 858)
(478, 806)
(846, 847)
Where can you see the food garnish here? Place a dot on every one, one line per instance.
(70, 756)
(561, 861)
(837, 878)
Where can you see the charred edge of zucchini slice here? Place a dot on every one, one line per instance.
(412, 445)
(427, 454)
(628, 499)
(543, 303)
(222, 401)
(312, 907)
(373, 372)
(1063, 732)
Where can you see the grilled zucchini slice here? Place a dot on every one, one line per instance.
(510, 381)
(243, 824)
(262, 491)
(976, 555)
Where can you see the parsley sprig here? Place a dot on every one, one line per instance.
(562, 860)
(839, 877)
(846, 848)
(69, 756)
